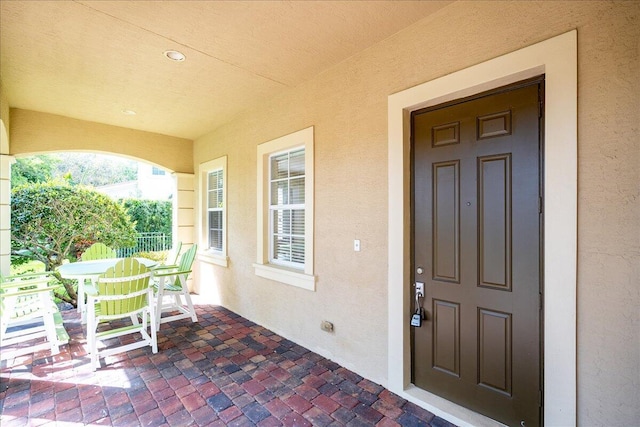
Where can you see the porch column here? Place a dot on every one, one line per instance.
(5, 212)
(184, 213)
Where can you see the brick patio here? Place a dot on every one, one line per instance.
(223, 370)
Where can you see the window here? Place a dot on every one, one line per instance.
(285, 210)
(157, 171)
(213, 204)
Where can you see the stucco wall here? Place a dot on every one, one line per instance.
(4, 122)
(35, 132)
(609, 218)
(348, 108)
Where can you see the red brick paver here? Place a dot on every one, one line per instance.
(223, 370)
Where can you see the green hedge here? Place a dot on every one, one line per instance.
(150, 215)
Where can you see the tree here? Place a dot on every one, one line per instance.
(95, 169)
(77, 168)
(150, 215)
(51, 221)
(33, 169)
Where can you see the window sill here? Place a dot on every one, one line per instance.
(214, 258)
(289, 277)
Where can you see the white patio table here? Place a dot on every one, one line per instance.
(88, 271)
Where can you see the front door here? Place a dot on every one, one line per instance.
(476, 247)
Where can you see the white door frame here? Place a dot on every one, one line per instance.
(556, 58)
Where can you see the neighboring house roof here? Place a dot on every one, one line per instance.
(152, 184)
(120, 190)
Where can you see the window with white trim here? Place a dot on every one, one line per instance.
(285, 210)
(215, 209)
(213, 205)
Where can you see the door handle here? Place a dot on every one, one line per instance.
(419, 289)
(418, 314)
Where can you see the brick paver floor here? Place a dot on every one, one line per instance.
(223, 370)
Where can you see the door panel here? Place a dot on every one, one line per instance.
(494, 221)
(494, 350)
(446, 221)
(476, 237)
(446, 337)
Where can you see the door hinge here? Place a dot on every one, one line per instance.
(540, 204)
(540, 109)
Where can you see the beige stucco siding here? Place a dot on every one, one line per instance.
(35, 132)
(609, 218)
(4, 119)
(348, 108)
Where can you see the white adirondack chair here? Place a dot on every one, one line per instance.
(28, 314)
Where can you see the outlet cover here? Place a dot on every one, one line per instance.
(326, 326)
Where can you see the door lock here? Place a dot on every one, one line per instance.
(418, 314)
(419, 289)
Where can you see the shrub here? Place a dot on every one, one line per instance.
(51, 221)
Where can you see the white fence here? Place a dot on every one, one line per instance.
(148, 242)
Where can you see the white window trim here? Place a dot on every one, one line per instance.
(205, 254)
(302, 279)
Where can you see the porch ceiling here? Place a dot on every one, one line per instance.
(91, 60)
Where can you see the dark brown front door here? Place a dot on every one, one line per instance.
(476, 247)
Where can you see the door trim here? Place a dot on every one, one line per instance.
(556, 58)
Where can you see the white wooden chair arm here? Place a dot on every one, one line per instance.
(24, 292)
(25, 284)
(164, 269)
(26, 275)
(171, 273)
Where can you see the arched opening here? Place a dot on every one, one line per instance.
(146, 192)
(35, 132)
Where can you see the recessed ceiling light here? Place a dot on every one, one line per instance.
(129, 112)
(174, 55)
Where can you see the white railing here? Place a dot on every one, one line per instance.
(147, 242)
